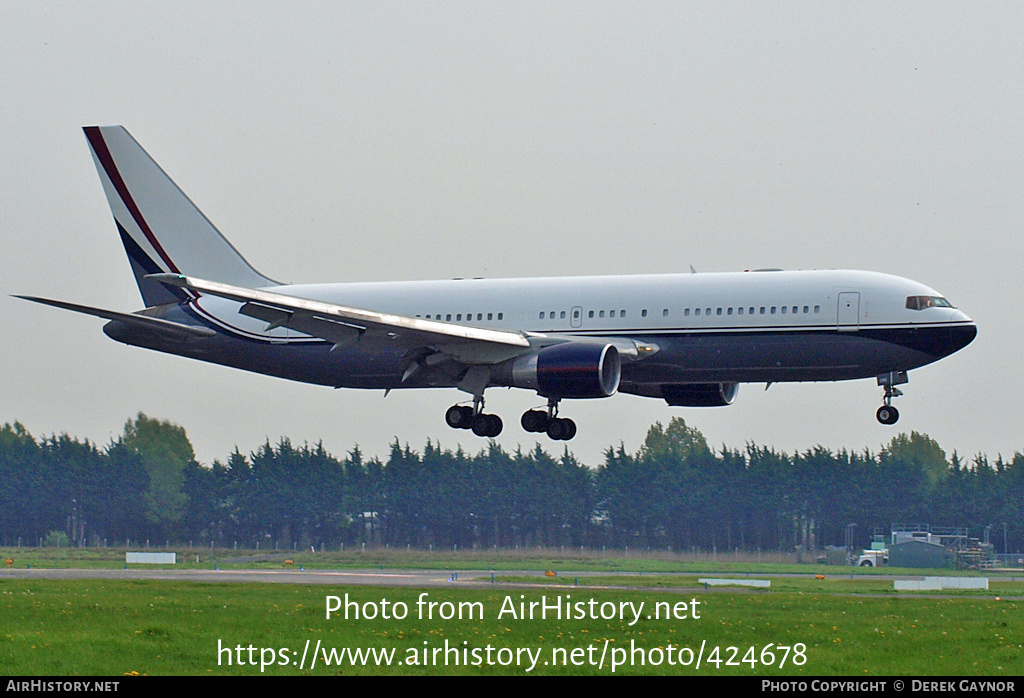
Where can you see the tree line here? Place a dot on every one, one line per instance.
(674, 493)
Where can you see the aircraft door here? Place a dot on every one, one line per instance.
(576, 318)
(849, 312)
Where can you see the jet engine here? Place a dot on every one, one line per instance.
(569, 370)
(700, 394)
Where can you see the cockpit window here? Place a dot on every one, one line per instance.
(922, 302)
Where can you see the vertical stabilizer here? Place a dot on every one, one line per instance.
(162, 230)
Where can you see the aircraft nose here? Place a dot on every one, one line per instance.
(964, 334)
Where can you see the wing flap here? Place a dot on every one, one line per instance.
(339, 332)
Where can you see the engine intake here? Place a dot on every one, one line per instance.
(700, 394)
(570, 370)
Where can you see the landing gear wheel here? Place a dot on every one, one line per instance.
(570, 429)
(555, 429)
(887, 414)
(459, 417)
(487, 425)
(561, 429)
(535, 421)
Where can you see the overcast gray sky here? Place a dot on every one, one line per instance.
(343, 141)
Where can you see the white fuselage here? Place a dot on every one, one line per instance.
(657, 303)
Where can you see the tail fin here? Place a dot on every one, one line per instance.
(162, 230)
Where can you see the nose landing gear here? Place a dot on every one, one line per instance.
(887, 414)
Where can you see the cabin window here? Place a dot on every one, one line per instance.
(500, 315)
(664, 312)
(542, 315)
(611, 313)
(718, 312)
(562, 315)
(783, 310)
(490, 316)
(590, 314)
(729, 311)
(643, 313)
(601, 314)
(817, 309)
(741, 311)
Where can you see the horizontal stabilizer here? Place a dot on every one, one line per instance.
(154, 324)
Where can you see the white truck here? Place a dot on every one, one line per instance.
(873, 558)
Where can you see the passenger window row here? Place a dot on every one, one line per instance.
(621, 313)
(755, 310)
(457, 317)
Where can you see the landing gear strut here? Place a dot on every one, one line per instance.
(466, 417)
(887, 414)
(558, 428)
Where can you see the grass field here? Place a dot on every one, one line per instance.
(838, 626)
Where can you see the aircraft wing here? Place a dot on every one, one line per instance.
(343, 326)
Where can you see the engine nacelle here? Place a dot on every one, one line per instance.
(700, 394)
(569, 370)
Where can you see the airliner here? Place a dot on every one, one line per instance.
(689, 339)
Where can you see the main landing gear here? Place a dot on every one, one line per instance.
(887, 414)
(490, 425)
(539, 421)
(466, 417)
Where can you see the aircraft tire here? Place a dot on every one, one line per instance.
(561, 429)
(459, 417)
(887, 414)
(570, 430)
(534, 421)
(487, 425)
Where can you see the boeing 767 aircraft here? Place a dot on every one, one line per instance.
(688, 339)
